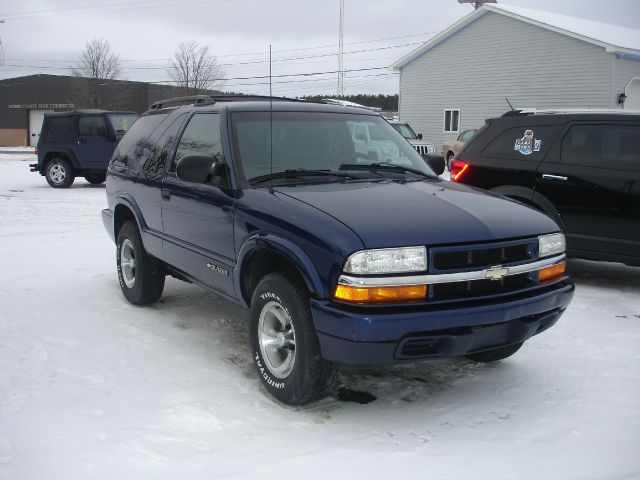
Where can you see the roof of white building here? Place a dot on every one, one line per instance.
(613, 38)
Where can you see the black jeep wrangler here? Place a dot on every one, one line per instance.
(79, 144)
(581, 168)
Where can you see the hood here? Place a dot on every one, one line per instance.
(389, 213)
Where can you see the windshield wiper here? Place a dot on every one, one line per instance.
(297, 173)
(383, 166)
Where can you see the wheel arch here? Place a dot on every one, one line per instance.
(59, 153)
(124, 210)
(531, 198)
(264, 254)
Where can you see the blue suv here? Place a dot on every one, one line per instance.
(340, 258)
(79, 144)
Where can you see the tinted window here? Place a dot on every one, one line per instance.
(58, 130)
(405, 130)
(201, 137)
(466, 135)
(522, 143)
(611, 146)
(133, 143)
(155, 165)
(92, 127)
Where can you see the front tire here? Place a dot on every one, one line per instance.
(96, 179)
(284, 344)
(59, 173)
(141, 277)
(495, 354)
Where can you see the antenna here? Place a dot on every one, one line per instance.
(341, 52)
(510, 106)
(270, 114)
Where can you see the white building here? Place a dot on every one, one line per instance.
(535, 59)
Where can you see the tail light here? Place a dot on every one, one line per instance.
(36, 150)
(458, 169)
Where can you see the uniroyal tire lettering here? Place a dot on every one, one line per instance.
(264, 373)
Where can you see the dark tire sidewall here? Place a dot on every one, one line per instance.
(148, 283)
(95, 179)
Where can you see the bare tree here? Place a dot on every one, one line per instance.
(194, 68)
(97, 63)
(97, 60)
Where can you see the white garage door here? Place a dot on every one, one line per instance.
(35, 124)
(632, 102)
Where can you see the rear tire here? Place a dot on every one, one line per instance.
(59, 173)
(96, 179)
(141, 277)
(284, 344)
(495, 354)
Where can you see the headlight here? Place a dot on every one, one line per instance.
(553, 244)
(431, 148)
(387, 260)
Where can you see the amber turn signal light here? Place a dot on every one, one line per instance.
(551, 273)
(405, 293)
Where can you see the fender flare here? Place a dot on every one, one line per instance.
(129, 202)
(65, 151)
(285, 247)
(531, 198)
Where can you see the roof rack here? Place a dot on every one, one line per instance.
(198, 100)
(556, 111)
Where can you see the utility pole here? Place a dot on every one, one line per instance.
(475, 4)
(341, 52)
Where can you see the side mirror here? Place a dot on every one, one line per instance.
(197, 168)
(419, 136)
(436, 162)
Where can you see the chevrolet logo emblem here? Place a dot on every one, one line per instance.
(496, 272)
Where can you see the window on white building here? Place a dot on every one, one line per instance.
(452, 120)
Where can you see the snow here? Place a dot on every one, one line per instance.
(94, 388)
(623, 37)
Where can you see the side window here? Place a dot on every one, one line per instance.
(610, 146)
(201, 137)
(154, 166)
(93, 126)
(523, 143)
(134, 143)
(58, 130)
(451, 120)
(466, 135)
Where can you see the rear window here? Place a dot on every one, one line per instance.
(611, 146)
(133, 144)
(58, 130)
(523, 143)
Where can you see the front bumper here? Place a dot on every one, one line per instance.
(361, 336)
(107, 220)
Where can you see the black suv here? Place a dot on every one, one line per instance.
(340, 258)
(79, 144)
(580, 168)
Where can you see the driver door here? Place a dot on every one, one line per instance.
(197, 218)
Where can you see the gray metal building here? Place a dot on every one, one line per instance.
(25, 100)
(535, 59)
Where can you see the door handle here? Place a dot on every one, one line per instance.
(166, 194)
(555, 177)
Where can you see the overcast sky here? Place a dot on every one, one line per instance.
(46, 36)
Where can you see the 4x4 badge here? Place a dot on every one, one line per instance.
(496, 272)
(527, 144)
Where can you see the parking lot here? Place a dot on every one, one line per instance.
(93, 387)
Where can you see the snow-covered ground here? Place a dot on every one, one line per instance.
(94, 388)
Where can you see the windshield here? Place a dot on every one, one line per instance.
(405, 130)
(331, 142)
(121, 122)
